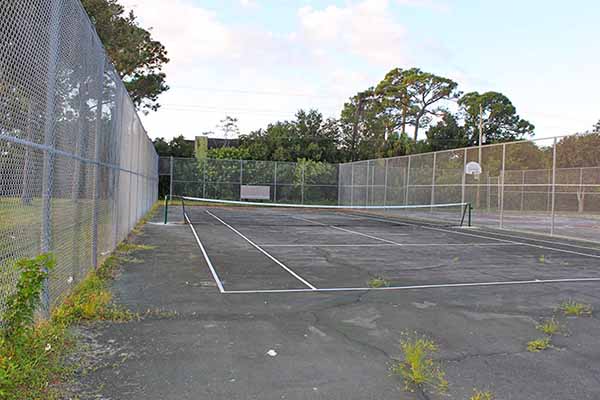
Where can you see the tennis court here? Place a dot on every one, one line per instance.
(263, 249)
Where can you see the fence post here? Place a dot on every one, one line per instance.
(49, 139)
(171, 167)
(241, 176)
(464, 177)
(502, 172)
(367, 186)
(433, 179)
(302, 183)
(352, 185)
(385, 183)
(275, 182)
(553, 188)
(407, 181)
(522, 188)
(204, 166)
(96, 188)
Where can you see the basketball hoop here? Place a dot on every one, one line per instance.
(473, 168)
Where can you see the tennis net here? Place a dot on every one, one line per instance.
(278, 214)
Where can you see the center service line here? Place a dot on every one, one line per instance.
(282, 265)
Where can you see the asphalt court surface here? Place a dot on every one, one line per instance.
(254, 249)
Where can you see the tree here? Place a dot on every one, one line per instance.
(176, 147)
(364, 126)
(180, 147)
(499, 118)
(229, 127)
(597, 127)
(137, 57)
(162, 147)
(573, 154)
(309, 136)
(447, 134)
(412, 94)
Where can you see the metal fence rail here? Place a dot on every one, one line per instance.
(77, 170)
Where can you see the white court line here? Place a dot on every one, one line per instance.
(545, 241)
(210, 266)
(491, 238)
(413, 287)
(349, 231)
(390, 245)
(295, 275)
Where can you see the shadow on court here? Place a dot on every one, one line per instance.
(197, 343)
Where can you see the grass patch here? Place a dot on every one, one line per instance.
(538, 345)
(377, 283)
(33, 353)
(419, 370)
(573, 308)
(550, 327)
(482, 395)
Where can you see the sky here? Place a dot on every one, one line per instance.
(260, 61)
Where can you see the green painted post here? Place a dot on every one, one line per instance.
(470, 209)
(166, 209)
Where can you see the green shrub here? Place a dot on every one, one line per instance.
(419, 370)
(538, 345)
(377, 283)
(573, 308)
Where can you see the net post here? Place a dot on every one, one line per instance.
(470, 214)
(166, 209)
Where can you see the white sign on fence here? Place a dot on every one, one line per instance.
(251, 192)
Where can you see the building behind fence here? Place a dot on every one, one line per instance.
(77, 170)
(548, 186)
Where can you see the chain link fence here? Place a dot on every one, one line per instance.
(304, 182)
(548, 186)
(77, 170)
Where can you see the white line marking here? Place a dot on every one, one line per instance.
(545, 241)
(210, 266)
(493, 238)
(295, 275)
(390, 245)
(414, 287)
(349, 231)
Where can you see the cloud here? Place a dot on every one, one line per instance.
(326, 56)
(364, 30)
(248, 3)
(430, 4)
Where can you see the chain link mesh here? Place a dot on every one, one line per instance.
(548, 186)
(77, 170)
